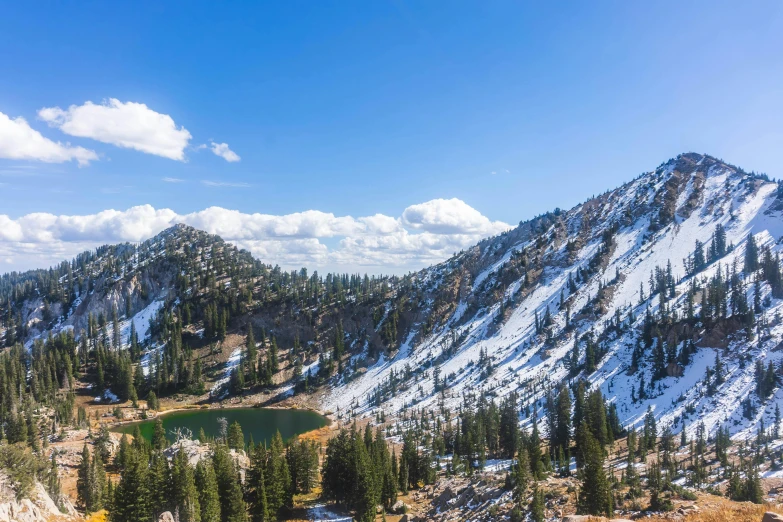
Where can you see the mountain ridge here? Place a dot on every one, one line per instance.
(609, 275)
(680, 202)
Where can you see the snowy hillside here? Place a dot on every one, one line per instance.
(505, 316)
(653, 292)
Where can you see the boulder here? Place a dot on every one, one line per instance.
(446, 495)
(400, 507)
(490, 494)
(770, 516)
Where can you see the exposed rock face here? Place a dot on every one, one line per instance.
(166, 516)
(194, 450)
(41, 508)
(769, 516)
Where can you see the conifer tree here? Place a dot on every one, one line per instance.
(751, 255)
(206, 484)
(521, 474)
(160, 484)
(131, 498)
(595, 493)
(232, 503)
(183, 487)
(158, 435)
(235, 439)
(278, 478)
(84, 486)
(256, 487)
(537, 513)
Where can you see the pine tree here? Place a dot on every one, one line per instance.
(278, 478)
(158, 435)
(562, 433)
(508, 428)
(595, 494)
(131, 498)
(364, 495)
(534, 452)
(751, 255)
(537, 513)
(53, 486)
(232, 503)
(235, 439)
(206, 484)
(256, 486)
(184, 488)
(152, 401)
(521, 475)
(160, 484)
(83, 486)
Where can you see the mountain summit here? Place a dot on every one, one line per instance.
(664, 293)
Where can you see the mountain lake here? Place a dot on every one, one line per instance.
(260, 423)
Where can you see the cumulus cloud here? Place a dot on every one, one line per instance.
(19, 141)
(129, 125)
(424, 234)
(222, 150)
(450, 216)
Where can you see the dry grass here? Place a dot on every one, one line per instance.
(723, 510)
(734, 512)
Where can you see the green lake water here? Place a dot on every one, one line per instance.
(260, 423)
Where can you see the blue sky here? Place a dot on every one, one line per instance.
(486, 113)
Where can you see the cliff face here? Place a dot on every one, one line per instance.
(38, 508)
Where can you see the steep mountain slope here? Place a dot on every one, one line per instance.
(648, 292)
(618, 274)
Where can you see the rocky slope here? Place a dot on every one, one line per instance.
(610, 291)
(505, 316)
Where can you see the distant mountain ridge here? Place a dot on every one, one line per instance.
(652, 292)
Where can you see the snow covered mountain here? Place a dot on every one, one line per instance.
(647, 291)
(666, 293)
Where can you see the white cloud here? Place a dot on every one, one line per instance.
(19, 141)
(172, 180)
(425, 233)
(210, 183)
(222, 150)
(450, 216)
(130, 125)
(232, 224)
